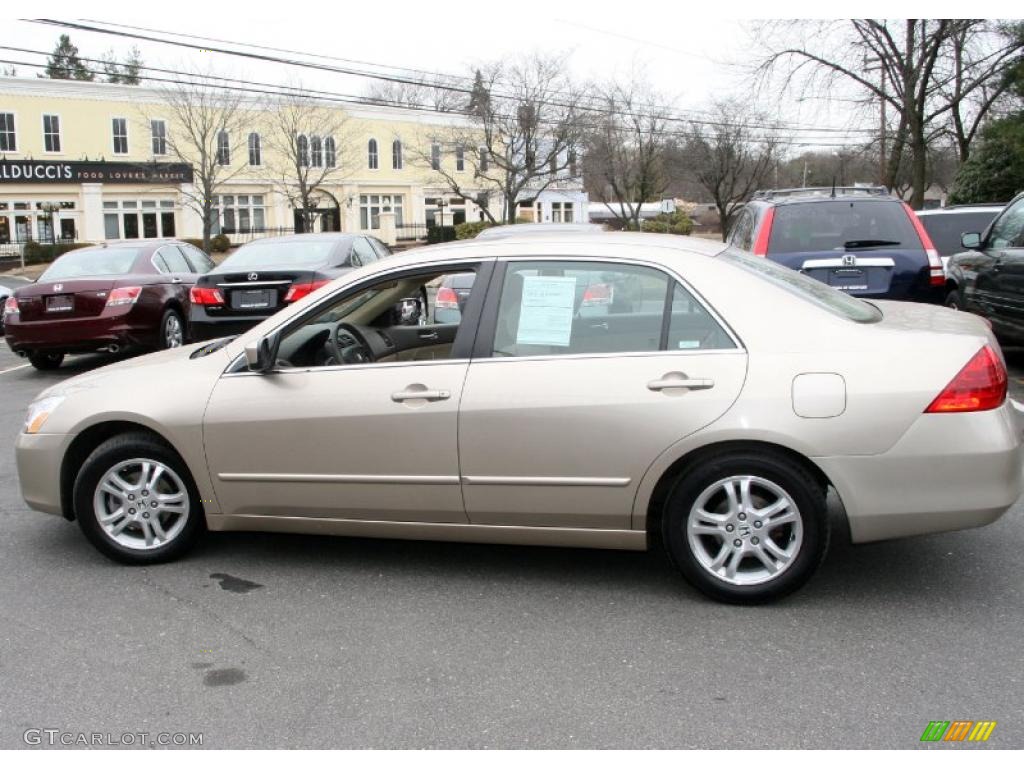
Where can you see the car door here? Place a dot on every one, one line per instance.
(1000, 276)
(374, 441)
(584, 372)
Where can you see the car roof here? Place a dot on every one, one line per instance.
(951, 209)
(535, 229)
(307, 236)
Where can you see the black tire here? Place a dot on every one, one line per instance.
(804, 490)
(45, 361)
(954, 300)
(134, 445)
(165, 339)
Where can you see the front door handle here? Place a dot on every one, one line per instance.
(175, 280)
(679, 382)
(420, 394)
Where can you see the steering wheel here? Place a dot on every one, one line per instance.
(349, 345)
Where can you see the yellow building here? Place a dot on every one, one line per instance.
(91, 162)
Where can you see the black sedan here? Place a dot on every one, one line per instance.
(265, 275)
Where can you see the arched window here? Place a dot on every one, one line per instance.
(397, 161)
(302, 146)
(371, 155)
(330, 153)
(316, 152)
(223, 149)
(255, 149)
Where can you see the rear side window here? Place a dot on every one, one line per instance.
(946, 229)
(362, 252)
(807, 288)
(201, 263)
(838, 225)
(568, 308)
(742, 235)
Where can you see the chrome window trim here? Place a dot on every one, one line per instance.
(862, 261)
(257, 283)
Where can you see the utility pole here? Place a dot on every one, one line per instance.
(871, 63)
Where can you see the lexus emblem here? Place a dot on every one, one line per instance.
(849, 260)
(58, 286)
(253, 276)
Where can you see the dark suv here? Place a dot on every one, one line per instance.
(861, 240)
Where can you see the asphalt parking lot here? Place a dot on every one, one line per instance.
(260, 640)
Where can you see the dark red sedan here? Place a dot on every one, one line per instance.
(105, 298)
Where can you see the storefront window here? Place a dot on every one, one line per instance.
(241, 213)
(132, 219)
(371, 206)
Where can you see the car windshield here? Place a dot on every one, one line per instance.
(293, 253)
(92, 262)
(838, 225)
(807, 288)
(946, 229)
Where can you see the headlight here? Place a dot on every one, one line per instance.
(39, 412)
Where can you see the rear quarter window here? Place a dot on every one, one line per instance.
(828, 225)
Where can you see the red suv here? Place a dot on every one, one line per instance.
(105, 298)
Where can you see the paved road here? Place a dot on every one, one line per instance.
(360, 643)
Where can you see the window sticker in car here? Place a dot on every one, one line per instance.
(546, 311)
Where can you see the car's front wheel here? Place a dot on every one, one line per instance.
(136, 502)
(45, 361)
(747, 527)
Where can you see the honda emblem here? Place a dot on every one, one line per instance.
(253, 276)
(849, 260)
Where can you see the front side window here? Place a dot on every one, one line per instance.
(397, 161)
(567, 308)
(371, 154)
(8, 139)
(255, 149)
(158, 129)
(119, 127)
(51, 133)
(223, 149)
(1008, 231)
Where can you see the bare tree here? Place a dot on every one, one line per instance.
(625, 150)
(923, 69)
(731, 158)
(433, 93)
(521, 136)
(307, 145)
(207, 123)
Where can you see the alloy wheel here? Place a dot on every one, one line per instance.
(141, 504)
(745, 530)
(174, 336)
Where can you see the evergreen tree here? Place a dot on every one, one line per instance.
(64, 63)
(480, 97)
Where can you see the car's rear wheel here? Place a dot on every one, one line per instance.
(954, 300)
(136, 502)
(45, 361)
(747, 527)
(172, 330)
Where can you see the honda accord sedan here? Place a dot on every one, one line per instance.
(105, 299)
(265, 275)
(710, 408)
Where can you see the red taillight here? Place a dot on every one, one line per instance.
(936, 274)
(764, 233)
(302, 290)
(204, 296)
(446, 299)
(980, 386)
(598, 293)
(120, 297)
(11, 306)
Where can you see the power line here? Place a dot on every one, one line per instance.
(409, 81)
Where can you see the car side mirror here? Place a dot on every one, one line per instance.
(971, 240)
(261, 355)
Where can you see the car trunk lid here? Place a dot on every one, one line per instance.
(256, 292)
(62, 299)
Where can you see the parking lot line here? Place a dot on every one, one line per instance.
(15, 368)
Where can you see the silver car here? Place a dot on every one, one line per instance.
(610, 390)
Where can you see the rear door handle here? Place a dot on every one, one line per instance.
(175, 279)
(659, 384)
(420, 394)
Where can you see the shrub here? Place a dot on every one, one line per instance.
(440, 234)
(196, 241)
(220, 244)
(44, 253)
(675, 223)
(470, 229)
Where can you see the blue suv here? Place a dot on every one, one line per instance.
(861, 240)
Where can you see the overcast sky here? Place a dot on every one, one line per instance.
(690, 58)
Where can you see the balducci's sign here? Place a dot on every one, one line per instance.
(36, 172)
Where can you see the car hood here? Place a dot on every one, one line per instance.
(108, 374)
